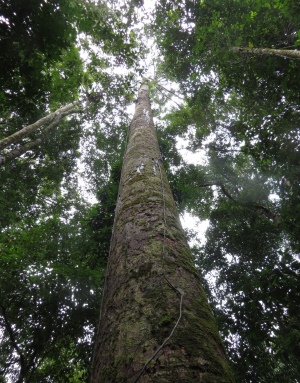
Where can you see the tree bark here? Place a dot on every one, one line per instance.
(269, 51)
(155, 322)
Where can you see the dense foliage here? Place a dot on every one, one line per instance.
(237, 109)
(242, 110)
(52, 256)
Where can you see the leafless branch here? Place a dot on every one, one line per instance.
(58, 114)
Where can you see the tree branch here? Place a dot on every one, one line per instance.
(170, 91)
(10, 332)
(168, 97)
(269, 51)
(59, 113)
(14, 343)
(30, 145)
(259, 208)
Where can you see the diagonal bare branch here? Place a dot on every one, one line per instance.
(59, 113)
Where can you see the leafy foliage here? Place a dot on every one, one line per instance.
(50, 288)
(238, 110)
(242, 113)
(52, 251)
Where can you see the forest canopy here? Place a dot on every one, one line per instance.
(224, 79)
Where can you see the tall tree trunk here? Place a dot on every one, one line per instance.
(269, 51)
(155, 324)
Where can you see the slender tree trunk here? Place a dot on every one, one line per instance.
(269, 51)
(155, 323)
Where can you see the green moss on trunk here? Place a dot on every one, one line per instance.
(150, 272)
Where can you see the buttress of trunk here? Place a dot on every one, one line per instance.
(156, 324)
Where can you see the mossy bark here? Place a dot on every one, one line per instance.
(151, 278)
